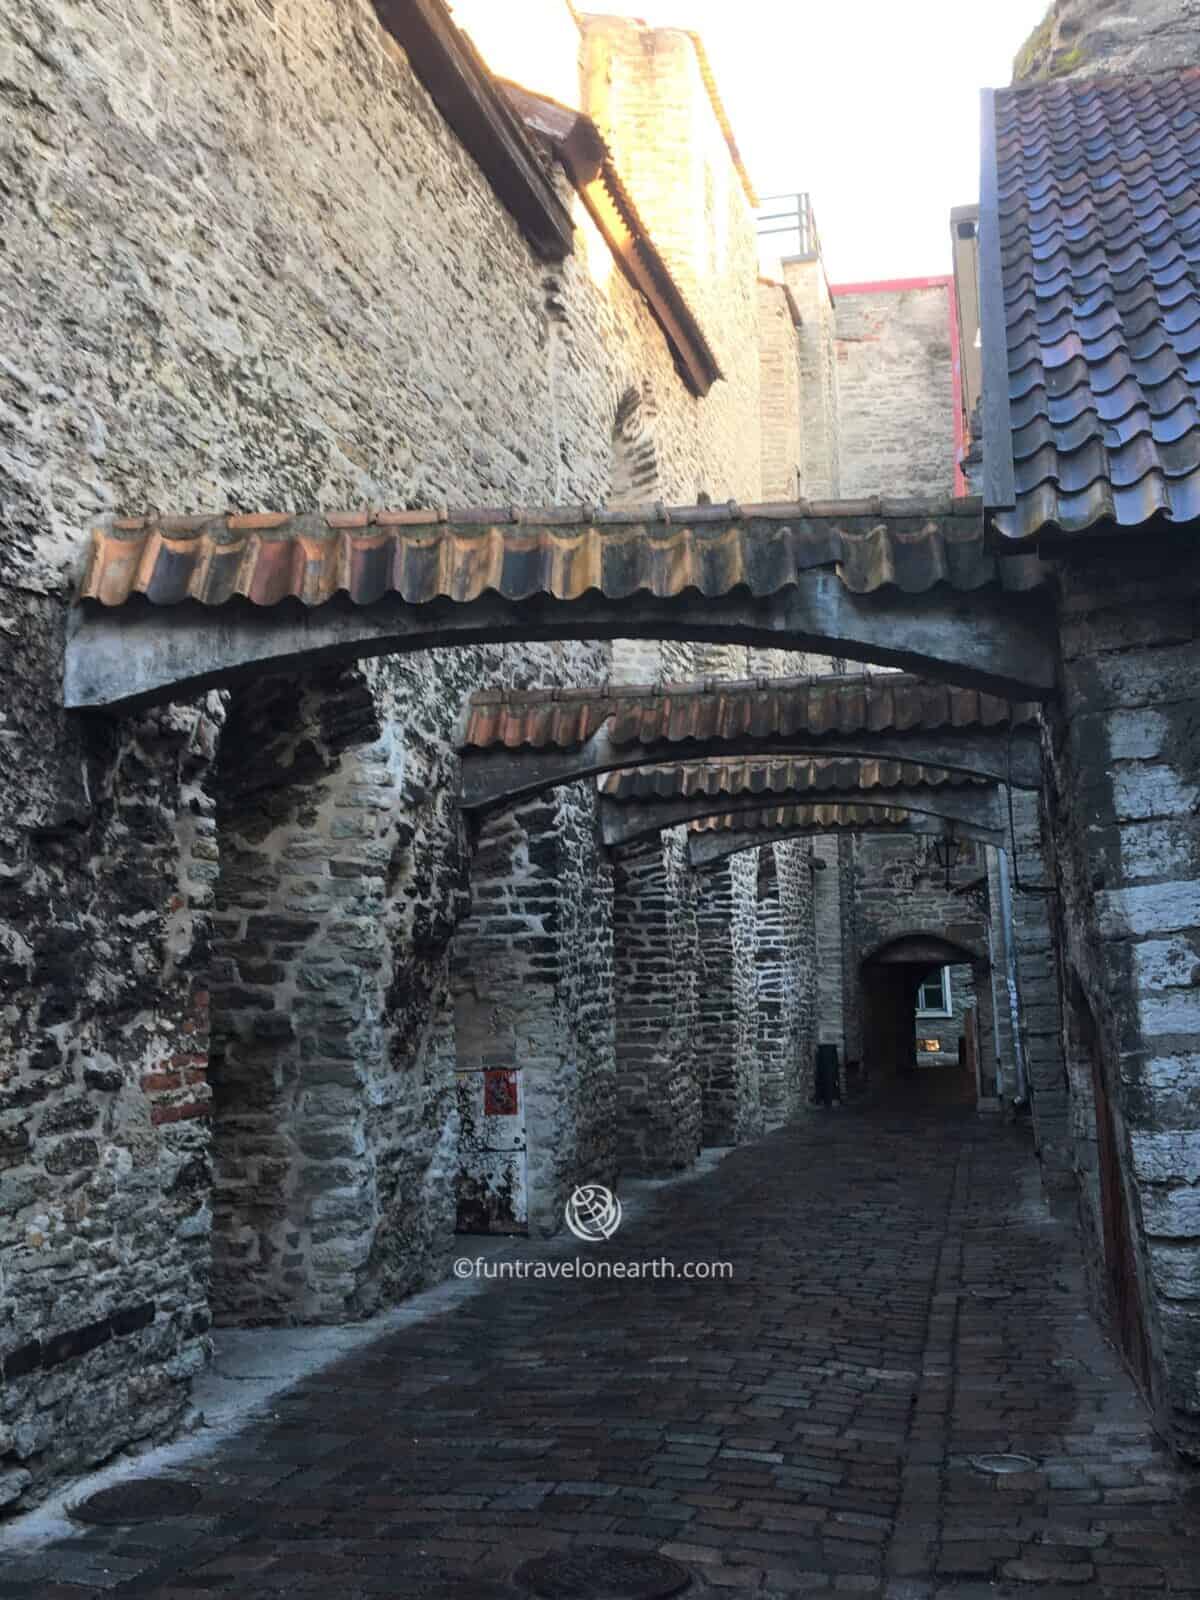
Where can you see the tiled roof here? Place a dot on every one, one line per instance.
(830, 817)
(1097, 187)
(676, 780)
(767, 708)
(561, 552)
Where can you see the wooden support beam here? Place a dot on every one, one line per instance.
(136, 654)
(498, 776)
(623, 822)
(707, 849)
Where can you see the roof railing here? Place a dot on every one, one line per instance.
(790, 219)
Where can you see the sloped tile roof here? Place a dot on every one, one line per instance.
(830, 817)
(1098, 195)
(678, 780)
(765, 708)
(561, 552)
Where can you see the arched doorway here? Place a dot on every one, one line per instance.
(921, 998)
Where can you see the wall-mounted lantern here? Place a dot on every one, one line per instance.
(948, 850)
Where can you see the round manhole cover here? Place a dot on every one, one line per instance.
(138, 1500)
(1000, 1465)
(603, 1575)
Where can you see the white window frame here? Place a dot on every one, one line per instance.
(946, 1009)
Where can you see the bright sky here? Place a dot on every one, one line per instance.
(872, 106)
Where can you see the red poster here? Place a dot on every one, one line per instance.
(500, 1092)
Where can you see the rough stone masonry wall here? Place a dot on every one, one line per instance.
(895, 392)
(828, 945)
(533, 987)
(1124, 844)
(784, 471)
(819, 377)
(177, 181)
(645, 90)
(899, 890)
(655, 990)
(727, 1011)
(107, 847)
(1125, 778)
(1038, 992)
(787, 980)
(1079, 38)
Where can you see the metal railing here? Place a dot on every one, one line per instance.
(789, 218)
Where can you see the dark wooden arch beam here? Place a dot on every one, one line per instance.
(135, 656)
(709, 848)
(173, 606)
(500, 777)
(983, 806)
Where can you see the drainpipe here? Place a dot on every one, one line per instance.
(1010, 975)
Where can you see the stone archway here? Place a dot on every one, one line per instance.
(892, 976)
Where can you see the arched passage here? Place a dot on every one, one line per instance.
(897, 978)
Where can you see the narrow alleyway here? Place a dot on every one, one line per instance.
(902, 1302)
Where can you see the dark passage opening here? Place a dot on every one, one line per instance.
(914, 1044)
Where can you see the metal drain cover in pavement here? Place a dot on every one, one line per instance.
(999, 1465)
(138, 1500)
(603, 1575)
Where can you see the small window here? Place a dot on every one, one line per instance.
(933, 997)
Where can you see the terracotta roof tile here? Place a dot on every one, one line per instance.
(560, 552)
(830, 817)
(676, 780)
(764, 708)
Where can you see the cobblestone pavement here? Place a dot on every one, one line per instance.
(902, 1301)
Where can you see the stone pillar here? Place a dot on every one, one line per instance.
(533, 988)
(656, 951)
(727, 1049)
(1033, 903)
(782, 403)
(106, 869)
(1124, 805)
(297, 1005)
(818, 378)
(851, 954)
(786, 980)
(830, 1025)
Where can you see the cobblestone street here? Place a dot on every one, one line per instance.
(808, 1427)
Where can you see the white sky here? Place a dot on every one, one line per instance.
(870, 105)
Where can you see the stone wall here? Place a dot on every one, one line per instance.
(1080, 38)
(787, 980)
(174, 178)
(533, 989)
(727, 1007)
(106, 865)
(784, 470)
(828, 945)
(1124, 777)
(895, 389)
(1039, 992)
(819, 377)
(899, 890)
(646, 91)
(656, 941)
